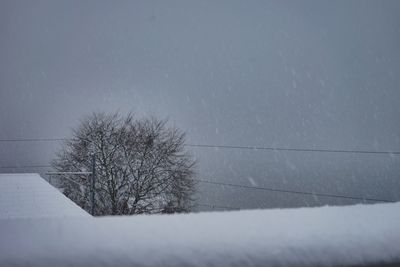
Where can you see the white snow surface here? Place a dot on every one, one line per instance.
(325, 236)
(30, 196)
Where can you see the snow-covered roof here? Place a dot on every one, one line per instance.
(30, 196)
(326, 236)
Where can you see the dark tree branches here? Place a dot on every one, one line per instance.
(141, 165)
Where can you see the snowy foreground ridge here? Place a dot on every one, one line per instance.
(327, 236)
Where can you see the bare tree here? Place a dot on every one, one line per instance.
(141, 165)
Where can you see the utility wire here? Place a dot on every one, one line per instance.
(246, 187)
(254, 148)
(34, 140)
(73, 181)
(267, 189)
(25, 167)
(217, 206)
(213, 206)
(297, 149)
(294, 192)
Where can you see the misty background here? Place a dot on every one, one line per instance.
(291, 74)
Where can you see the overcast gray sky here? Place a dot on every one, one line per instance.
(297, 74)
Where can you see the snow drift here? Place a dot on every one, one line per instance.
(29, 196)
(326, 236)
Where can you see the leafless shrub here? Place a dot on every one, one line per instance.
(141, 165)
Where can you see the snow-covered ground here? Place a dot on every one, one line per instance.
(326, 236)
(29, 196)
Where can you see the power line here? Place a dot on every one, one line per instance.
(30, 166)
(71, 180)
(34, 140)
(25, 167)
(297, 149)
(217, 206)
(213, 206)
(294, 192)
(254, 148)
(245, 187)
